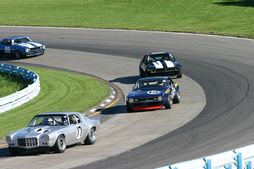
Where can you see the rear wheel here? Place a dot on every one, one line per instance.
(91, 137)
(60, 144)
(168, 104)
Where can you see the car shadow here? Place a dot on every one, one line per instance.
(244, 3)
(126, 80)
(13, 58)
(118, 109)
(129, 79)
(4, 152)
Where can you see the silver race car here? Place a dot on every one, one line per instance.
(55, 131)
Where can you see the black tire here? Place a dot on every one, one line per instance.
(180, 75)
(18, 55)
(177, 97)
(168, 104)
(60, 145)
(142, 73)
(91, 137)
(13, 151)
(129, 109)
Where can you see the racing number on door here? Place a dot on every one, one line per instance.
(7, 49)
(78, 132)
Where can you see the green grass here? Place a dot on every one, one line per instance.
(60, 91)
(225, 17)
(10, 84)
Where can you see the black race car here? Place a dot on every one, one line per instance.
(159, 64)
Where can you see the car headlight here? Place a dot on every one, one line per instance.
(43, 47)
(131, 100)
(44, 138)
(160, 98)
(178, 67)
(8, 139)
(27, 50)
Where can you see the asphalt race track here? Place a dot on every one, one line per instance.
(222, 66)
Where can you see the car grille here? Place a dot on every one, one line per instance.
(146, 104)
(146, 99)
(37, 48)
(165, 70)
(28, 142)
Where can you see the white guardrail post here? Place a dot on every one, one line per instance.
(20, 97)
(241, 158)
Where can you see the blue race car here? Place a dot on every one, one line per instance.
(21, 46)
(159, 64)
(152, 93)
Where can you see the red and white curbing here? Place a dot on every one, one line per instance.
(106, 102)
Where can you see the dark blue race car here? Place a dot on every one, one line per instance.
(153, 93)
(159, 64)
(21, 46)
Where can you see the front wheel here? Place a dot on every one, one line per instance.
(177, 97)
(60, 144)
(18, 55)
(168, 104)
(13, 151)
(142, 73)
(180, 75)
(91, 137)
(129, 109)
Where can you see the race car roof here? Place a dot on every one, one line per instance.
(157, 53)
(154, 78)
(15, 37)
(58, 113)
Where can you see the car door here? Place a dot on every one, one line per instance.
(7, 46)
(142, 64)
(77, 128)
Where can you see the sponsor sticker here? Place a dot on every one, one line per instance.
(152, 92)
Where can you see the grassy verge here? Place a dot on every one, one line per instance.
(60, 91)
(10, 84)
(226, 17)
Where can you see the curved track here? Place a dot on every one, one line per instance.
(222, 66)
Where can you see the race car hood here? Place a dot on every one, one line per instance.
(30, 45)
(161, 64)
(35, 131)
(147, 92)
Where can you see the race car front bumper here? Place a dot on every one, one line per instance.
(146, 106)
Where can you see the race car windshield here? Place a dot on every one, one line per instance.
(48, 120)
(149, 84)
(160, 57)
(22, 40)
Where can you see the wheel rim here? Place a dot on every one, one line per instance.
(170, 102)
(61, 143)
(178, 96)
(92, 135)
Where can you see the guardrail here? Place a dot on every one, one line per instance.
(242, 158)
(20, 97)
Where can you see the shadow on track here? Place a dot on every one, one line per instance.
(4, 152)
(126, 80)
(119, 109)
(244, 3)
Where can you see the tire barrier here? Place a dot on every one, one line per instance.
(20, 97)
(242, 158)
